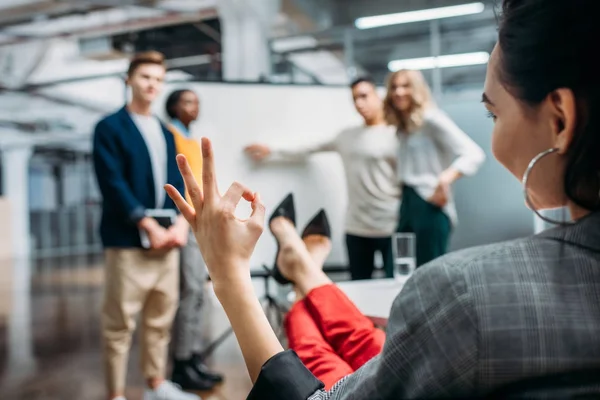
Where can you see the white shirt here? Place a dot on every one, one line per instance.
(152, 132)
(369, 155)
(424, 154)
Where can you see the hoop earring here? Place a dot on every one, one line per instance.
(524, 182)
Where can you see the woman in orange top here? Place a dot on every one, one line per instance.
(183, 108)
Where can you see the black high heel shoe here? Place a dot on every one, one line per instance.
(319, 225)
(287, 210)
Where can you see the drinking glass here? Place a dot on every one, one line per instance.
(404, 252)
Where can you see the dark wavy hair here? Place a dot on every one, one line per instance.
(172, 101)
(547, 45)
(362, 79)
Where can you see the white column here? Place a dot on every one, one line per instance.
(254, 48)
(230, 27)
(436, 48)
(349, 54)
(15, 179)
(245, 27)
(20, 341)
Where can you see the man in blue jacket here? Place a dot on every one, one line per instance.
(134, 157)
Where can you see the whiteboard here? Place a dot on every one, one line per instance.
(234, 115)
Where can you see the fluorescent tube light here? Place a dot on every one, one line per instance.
(419, 15)
(448, 61)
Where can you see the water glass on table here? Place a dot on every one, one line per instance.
(404, 253)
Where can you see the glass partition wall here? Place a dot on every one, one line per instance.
(64, 202)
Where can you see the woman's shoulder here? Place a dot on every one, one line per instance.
(486, 259)
(556, 252)
(520, 262)
(452, 283)
(434, 117)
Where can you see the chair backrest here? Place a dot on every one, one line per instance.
(580, 384)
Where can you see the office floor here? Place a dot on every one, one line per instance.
(50, 341)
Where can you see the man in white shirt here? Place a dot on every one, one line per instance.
(369, 153)
(134, 157)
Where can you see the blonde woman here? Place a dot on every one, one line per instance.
(433, 154)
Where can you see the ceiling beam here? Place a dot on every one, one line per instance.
(45, 8)
(209, 31)
(133, 25)
(172, 64)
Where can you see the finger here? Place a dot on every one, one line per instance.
(191, 185)
(209, 179)
(248, 196)
(234, 194)
(257, 218)
(158, 244)
(186, 210)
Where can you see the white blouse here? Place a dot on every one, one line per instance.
(439, 144)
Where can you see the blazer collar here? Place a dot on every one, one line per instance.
(583, 233)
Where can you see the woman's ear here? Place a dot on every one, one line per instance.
(563, 113)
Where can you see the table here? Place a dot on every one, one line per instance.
(374, 297)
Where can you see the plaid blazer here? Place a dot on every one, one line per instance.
(479, 321)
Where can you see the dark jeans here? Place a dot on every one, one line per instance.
(428, 222)
(361, 255)
(187, 336)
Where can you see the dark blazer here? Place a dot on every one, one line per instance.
(124, 173)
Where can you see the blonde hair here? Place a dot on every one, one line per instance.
(421, 101)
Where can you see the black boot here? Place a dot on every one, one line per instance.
(203, 370)
(186, 376)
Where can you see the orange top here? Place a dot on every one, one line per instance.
(192, 151)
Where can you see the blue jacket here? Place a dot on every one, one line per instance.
(124, 173)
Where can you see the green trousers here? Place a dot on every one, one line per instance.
(428, 222)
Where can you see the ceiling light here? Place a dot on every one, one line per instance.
(419, 15)
(448, 61)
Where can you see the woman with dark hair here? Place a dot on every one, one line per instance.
(513, 319)
(183, 108)
(189, 370)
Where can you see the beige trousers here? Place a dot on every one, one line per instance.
(138, 281)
